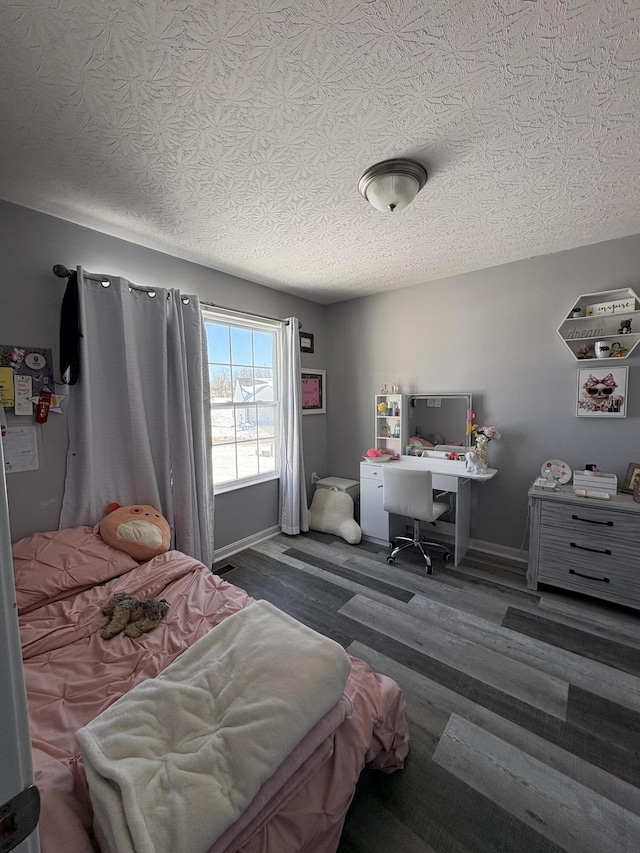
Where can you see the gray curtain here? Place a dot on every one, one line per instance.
(294, 515)
(139, 417)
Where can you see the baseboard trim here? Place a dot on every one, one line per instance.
(227, 550)
(375, 541)
(514, 554)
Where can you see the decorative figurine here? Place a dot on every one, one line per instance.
(619, 350)
(585, 351)
(475, 464)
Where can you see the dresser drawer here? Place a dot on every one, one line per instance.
(598, 522)
(370, 472)
(585, 564)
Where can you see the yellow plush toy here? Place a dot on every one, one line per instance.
(138, 530)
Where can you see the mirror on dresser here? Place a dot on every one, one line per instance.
(438, 419)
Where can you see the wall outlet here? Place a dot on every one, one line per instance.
(314, 477)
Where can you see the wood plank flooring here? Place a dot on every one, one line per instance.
(523, 707)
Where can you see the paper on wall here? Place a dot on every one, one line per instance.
(20, 446)
(23, 387)
(6, 387)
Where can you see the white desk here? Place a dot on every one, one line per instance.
(447, 476)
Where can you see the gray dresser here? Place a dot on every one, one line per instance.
(584, 544)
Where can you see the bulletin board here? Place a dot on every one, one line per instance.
(24, 372)
(314, 391)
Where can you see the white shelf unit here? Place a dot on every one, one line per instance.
(389, 425)
(580, 333)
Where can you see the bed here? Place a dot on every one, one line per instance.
(75, 679)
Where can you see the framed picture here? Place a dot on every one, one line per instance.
(306, 342)
(314, 392)
(633, 474)
(602, 392)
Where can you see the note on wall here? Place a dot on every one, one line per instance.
(20, 446)
(24, 389)
(6, 387)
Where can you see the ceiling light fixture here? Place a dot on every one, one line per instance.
(392, 184)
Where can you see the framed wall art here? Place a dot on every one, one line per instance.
(633, 475)
(602, 392)
(314, 392)
(306, 342)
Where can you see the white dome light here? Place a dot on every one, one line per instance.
(392, 184)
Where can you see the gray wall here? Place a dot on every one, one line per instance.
(493, 333)
(30, 299)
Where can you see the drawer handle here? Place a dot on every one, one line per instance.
(594, 550)
(591, 520)
(589, 577)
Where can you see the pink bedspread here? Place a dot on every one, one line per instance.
(72, 674)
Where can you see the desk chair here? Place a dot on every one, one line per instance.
(408, 491)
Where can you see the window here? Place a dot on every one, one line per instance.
(245, 406)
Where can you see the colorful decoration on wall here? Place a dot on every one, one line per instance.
(24, 373)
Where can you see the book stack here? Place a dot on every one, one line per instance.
(595, 481)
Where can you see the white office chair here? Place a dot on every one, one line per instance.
(408, 491)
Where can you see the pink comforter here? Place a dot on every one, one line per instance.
(72, 674)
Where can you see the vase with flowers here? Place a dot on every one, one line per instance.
(481, 438)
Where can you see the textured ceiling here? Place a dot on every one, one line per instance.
(233, 133)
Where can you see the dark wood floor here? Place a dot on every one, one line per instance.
(523, 707)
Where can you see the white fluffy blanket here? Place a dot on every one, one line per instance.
(171, 764)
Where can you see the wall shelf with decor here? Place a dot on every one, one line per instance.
(389, 429)
(610, 316)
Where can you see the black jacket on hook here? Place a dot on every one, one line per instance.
(70, 333)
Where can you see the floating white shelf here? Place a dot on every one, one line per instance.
(613, 312)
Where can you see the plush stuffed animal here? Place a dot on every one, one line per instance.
(475, 464)
(132, 615)
(138, 530)
(331, 511)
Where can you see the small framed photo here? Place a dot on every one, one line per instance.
(306, 342)
(633, 475)
(314, 392)
(602, 392)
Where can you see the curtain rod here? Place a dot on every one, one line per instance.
(62, 272)
(249, 313)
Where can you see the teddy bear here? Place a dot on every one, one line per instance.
(132, 615)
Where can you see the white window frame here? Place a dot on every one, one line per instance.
(255, 324)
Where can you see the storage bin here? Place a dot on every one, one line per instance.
(595, 480)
